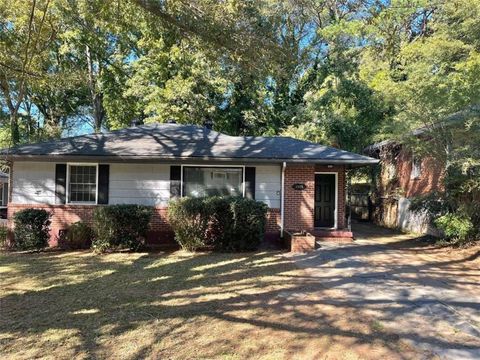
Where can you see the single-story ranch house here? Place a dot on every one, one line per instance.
(302, 183)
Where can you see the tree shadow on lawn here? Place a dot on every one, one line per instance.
(177, 305)
(428, 297)
(402, 260)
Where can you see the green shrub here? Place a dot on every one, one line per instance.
(189, 218)
(247, 228)
(78, 236)
(455, 227)
(3, 235)
(432, 203)
(219, 219)
(32, 227)
(221, 223)
(120, 226)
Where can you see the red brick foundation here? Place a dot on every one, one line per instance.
(160, 232)
(273, 221)
(62, 216)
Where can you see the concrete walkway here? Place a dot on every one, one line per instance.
(428, 296)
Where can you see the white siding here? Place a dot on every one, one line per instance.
(145, 184)
(33, 183)
(268, 184)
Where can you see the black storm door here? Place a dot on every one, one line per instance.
(325, 200)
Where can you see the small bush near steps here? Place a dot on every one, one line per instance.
(120, 227)
(32, 227)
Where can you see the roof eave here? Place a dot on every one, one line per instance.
(130, 158)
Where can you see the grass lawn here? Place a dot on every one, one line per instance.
(65, 305)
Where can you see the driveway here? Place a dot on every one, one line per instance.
(427, 296)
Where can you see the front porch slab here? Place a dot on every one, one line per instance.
(325, 235)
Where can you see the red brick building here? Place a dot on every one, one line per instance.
(302, 183)
(403, 176)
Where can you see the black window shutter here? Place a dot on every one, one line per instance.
(60, 183)
(175, 180)
(5, 194)
(103, 181)
(250, 182)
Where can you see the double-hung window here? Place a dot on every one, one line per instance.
(3, 194)
(82, 184)
(212, 181)
(416, 168)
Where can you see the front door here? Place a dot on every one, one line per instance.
(325, 200)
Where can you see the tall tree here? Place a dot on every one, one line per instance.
(432, 74)
(238, 29)
(337, 107)
(102, 37)
(174, 80)
(27, 30)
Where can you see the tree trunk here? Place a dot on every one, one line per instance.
(98, 112)
(97, 98)
(14, 129)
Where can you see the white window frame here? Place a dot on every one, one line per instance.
(335, 213)
(416, 170)
(211, 166)
(2, 192)
(67, 192)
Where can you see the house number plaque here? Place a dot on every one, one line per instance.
(299, 186)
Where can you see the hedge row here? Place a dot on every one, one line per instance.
(114, 227)
(219, 223)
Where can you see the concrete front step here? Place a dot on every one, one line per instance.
(334, 239)
(322, 233)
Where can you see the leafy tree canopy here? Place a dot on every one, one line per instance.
(344, 73)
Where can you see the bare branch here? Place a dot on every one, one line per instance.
(29, 73)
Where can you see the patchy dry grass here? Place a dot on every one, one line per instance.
(175, 306)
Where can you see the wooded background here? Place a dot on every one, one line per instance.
(344, 73)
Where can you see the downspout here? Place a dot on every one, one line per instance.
(282, 200)
(348, 173)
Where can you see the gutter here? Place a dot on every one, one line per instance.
(199, 159)
(282, 201)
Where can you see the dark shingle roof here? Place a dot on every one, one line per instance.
(454, 119)
(174, 141)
